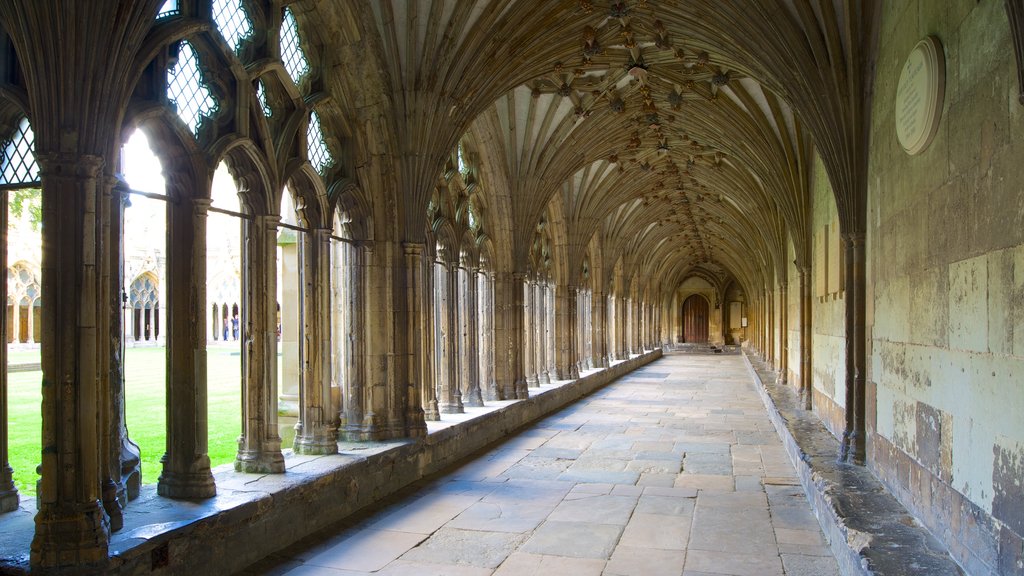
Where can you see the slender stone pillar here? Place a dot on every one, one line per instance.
(8, 491)
(598, 325)
(783, 333)
(474, 397)
(540, 316)
(427, 342)
(530, 342)
(854, 442)
(316, 431)
(486, 335)
(552, 331)
(259, 446)
(450, 395)
(806, 377)
(419, 380)
(518, 351)
(108, 324)
(71, 524)
(186, 471)
(567, 304)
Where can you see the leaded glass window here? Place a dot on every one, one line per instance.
(186, 90)
(144, 293)
(22, 286)
(170, 8)
(319, 153)
(291, 51)
(261, 95)
(232, 21)
(18, 162)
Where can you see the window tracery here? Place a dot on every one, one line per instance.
(18, 162)
(187, 91)
(170, 8)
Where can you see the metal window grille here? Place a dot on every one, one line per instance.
(291, 51)
(18, 159)
(319, 153)
(186, 90)
(232, 21)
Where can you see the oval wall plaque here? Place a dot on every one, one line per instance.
(919, 95)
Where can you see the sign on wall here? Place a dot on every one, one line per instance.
(919, 95)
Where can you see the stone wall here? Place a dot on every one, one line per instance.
(828, 342)
(946, 270)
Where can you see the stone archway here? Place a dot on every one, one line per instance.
(695, 319)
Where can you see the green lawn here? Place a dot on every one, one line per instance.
(145, 401)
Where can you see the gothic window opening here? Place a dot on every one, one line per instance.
(143, 275)
(292, 55)
(23, 305)
(232, 21)
(291, 240)
(463, 166)
(319, 153)
(187, 91)
(226, 334)
(144, 302)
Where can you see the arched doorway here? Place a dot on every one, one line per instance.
(695, 319)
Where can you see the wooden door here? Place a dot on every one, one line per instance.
(695, 319)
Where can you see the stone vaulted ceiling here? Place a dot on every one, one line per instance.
(675, 133)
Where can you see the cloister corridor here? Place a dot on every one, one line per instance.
(672, 469)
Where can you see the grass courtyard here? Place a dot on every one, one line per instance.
(145, 397)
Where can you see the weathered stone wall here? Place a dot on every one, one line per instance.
(946, 266)
(828, 341)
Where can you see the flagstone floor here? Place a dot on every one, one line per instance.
(673, 469)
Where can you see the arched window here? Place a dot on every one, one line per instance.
(292, 56)
(232, 21)
(187, 91)
(319, 153)
(18, 162)
(144, 301)
(23, 294)
(463, 166)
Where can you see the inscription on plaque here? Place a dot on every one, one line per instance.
(919, 95)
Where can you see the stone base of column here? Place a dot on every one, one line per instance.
(532, 381)
(70, 536)
(187, 485)
(431, 412)
(452, 407)
(474, 398)
(522, 390)
(9, 500)
(112, 505)
(415, 423)
(315, 444)
(258, 462)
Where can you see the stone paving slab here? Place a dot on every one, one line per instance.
(673, 471)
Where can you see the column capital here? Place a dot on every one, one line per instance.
(413, 248)
(65, 165)
(853, 238)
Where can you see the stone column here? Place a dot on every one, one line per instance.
(530, 339)
(450, 396)
(418, 369)
(349, 340)
(518, 350)
(853, 447)
(71, 524)
(567, 304)
(806, 300)
(8, 491)
(259, 446)
(315, 432)
(540, 318)
(288, 387)
(552, 331)
(186, 471)
(485, 334)
(598, 325)
(783, 333)
(474, 397)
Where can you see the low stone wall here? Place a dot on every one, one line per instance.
(868, 530)
(253, 516)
